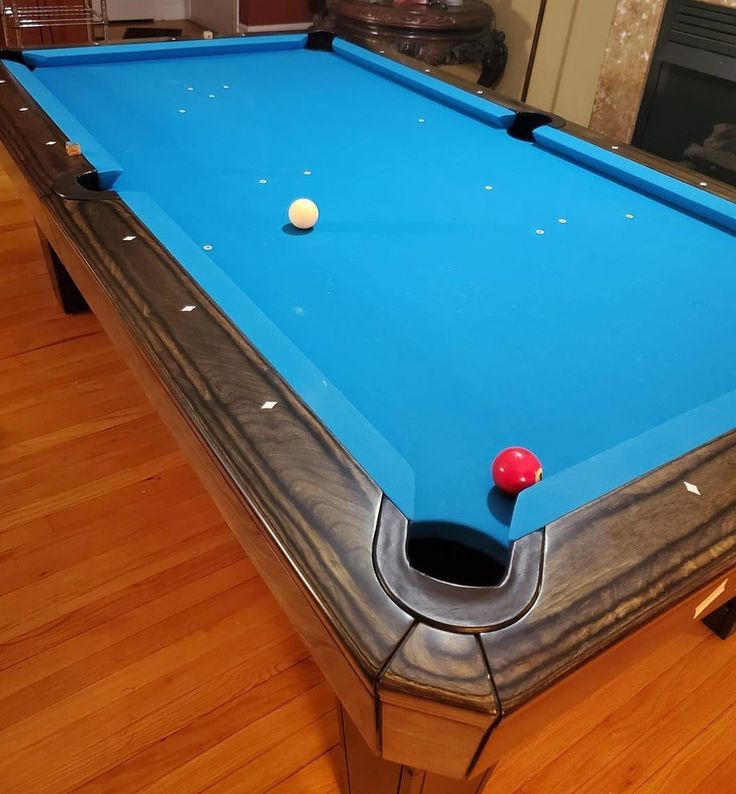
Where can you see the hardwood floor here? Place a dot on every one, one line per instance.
(140, 651)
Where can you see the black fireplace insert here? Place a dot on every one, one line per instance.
(688, 113)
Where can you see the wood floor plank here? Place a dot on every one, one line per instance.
(44, 438)
(29, 532)
(658, 741)
(32, 372)
(41, 560)
(323, 776)
(215, 767)
(163, 758)
(169, 636)
(32, 506)
(546, 762)
(686, 769)
(279, 763)
(720, 778)
(649, 709)
(117, 717)
(31, 607)
(88, 631)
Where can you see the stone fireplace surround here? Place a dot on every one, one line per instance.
(625, 66)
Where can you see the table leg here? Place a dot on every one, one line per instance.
(722, 622)
(67, 292)
(366, 773)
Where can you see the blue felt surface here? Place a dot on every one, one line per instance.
(425, 320)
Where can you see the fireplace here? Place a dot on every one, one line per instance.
(688, 112)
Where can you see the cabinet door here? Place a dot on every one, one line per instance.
(276, 12)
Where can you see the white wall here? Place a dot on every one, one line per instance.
(147, 9)
(569, 57)
(517, 18)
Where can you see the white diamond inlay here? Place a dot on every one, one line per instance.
(269, 405)
(129, 238)
(692, 488)
(188, 308)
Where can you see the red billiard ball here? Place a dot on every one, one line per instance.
(515, 469)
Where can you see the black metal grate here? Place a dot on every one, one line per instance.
(702, 25)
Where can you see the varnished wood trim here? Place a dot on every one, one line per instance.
(450, 665)
(367, 773)
(617, 563)
(580, 686)
(26, 136)
(349, 657)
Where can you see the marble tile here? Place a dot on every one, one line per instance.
(625, 67)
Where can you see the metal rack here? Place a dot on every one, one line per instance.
(16, 18)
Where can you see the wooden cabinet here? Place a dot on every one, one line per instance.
(257, 13)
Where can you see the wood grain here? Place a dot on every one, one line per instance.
(667, 541)
(351, 679)
(366, 773)
(26, 136)
(441, 732)
(220, 383)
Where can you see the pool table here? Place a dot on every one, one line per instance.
(482, 275)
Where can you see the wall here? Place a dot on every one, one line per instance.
(147, 9)
(569, 56)
(517, 18)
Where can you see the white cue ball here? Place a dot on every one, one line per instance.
(303, 213)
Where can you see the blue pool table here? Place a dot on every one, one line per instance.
(482, 275)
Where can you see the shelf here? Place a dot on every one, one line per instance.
(25, 17)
